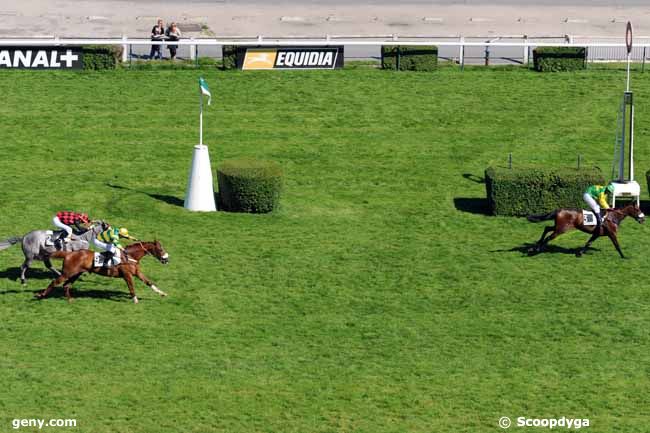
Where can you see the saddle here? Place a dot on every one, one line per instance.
(55, 238)
(589, 218)
(104, 260)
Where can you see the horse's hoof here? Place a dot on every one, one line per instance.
(135, 300)
(578, 254)
(23, 282)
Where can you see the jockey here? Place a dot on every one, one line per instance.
(596, 198)
(65, 219)
(109, 240)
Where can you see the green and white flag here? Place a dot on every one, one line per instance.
(204, 89)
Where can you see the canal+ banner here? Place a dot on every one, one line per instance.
(290, 58)
(41, 57)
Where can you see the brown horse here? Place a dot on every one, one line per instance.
(570, 219)
(76, 263)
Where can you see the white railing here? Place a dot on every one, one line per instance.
(606, 48)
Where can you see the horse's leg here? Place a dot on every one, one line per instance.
(60, 279)
(48, 264)
(614, 239)
(128, 277)
(23, 269)
(67, 284)
(148, 282)
(546, 230)
(595, 235)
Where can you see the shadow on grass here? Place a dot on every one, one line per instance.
(472, 205)
(107, 294)
(58, 292)
(473, 178)
(32, 274)
(528, 249)
(169, 199)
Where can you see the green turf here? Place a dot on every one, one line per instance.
(379, 298)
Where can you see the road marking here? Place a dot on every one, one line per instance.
(576, 20)
(291, 19)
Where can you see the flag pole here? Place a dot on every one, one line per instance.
(200, 116)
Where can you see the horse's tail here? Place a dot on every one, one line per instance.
(9, 242)
(542, 217)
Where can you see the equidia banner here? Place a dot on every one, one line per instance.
(41, 58)
(290, 58)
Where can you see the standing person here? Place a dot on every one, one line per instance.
(173, 34)
(66, 219)
(157, 34)
(598, 192)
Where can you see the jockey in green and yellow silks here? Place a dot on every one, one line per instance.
(109, 240)
(596, 198)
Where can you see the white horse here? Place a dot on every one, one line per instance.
(40, 244)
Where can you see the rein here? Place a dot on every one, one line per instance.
(141, 245)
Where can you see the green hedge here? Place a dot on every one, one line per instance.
(101, 57)
(555, 59)
(411, 58)
(249, 185)
(526, 191)
(229, 54)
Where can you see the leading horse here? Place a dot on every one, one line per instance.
(38, 245)
(76, 263)
(572, 219)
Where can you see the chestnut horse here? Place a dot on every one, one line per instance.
(570, 219)
(75, 263)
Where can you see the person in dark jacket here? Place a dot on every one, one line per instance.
(157, 34)
(173, 34)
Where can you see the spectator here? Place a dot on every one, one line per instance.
(173, 34)
(157, 34)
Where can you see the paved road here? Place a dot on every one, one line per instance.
(316, 18)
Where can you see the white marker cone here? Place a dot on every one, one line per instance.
(200, 192)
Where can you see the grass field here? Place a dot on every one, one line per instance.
(379, 298)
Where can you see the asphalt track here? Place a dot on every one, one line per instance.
(483, 19)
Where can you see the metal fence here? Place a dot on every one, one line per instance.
(506, 49)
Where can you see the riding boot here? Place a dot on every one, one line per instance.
(58, 242)
(599, 221)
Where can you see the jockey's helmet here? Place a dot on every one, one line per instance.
(124, 232)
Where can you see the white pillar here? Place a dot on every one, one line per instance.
(200, 190)
(192, 50)
(461, 51)
(525, 49)
(125, 50)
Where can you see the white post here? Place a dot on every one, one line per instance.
(525, 50)
(461, 51)
(200, 189)
(192, 51)
(125, 50)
